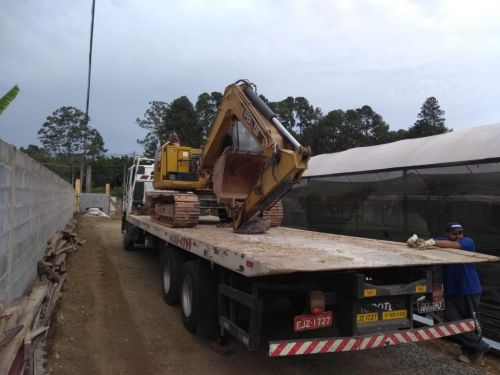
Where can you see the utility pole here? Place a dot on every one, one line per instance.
(86, 129)
(88, 179)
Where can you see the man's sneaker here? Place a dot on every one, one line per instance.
(478, 355)
(464, 358)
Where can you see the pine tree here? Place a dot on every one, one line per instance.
(430, 121)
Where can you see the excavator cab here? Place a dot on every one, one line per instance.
(178, 167)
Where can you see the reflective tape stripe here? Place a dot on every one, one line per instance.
(368, 342)
(319, 347)
(454, 328)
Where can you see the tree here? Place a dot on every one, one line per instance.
(430, 121)
(295, 114)
(163, 119)
(206, 109)
(339, 130)
(396, 135)
(365, 127)
(154, 122)
(181, 118)
(35, 152)
(305, 114)
(324, 136)
(66, 132)
(284, 111)
(94, 145)
(110, 170)
(8, 98)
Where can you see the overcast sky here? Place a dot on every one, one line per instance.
(388, 54)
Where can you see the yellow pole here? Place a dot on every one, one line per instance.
(108, 193)
(78, 189)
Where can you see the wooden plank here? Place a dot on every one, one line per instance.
(33, 302)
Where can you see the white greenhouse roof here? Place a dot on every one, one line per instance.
(464, 145)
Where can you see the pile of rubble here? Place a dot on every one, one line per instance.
(24, 324)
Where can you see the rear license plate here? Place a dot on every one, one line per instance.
(367, 317)
(313, 321)
(428, 306)
(396, 314)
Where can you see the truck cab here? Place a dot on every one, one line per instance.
(138, 181)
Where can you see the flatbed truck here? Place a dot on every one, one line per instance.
(343, 293)
(303, 292)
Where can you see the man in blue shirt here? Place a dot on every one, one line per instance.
(462, 289)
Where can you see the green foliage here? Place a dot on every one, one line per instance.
(110, 170)
(323, 137)
(163, 119)
(295, 114)
(206, 109)
(104, 169)
(337, 131)
(181, 118)
(285, 111)
(8, 98)
(154, 122)
(430, 121)
(66, 133)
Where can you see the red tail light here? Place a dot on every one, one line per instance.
(437, 292)
(317, 302)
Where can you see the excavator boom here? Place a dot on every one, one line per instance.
(250, 179)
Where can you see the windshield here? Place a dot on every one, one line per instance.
(242, 140)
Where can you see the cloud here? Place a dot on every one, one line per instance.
(340, 54)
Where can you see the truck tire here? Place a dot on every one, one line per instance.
(199, 298)
(129, 237)
(172, 262)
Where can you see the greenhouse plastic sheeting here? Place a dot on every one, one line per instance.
(479, 143)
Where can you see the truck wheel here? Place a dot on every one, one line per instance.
(173, 260)
(199, 297)
(129, 237)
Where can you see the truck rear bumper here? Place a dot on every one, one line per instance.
(345, 344)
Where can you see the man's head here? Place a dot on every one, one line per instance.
(454, 231)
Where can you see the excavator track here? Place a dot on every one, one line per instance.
(176, 210)
(274, 214)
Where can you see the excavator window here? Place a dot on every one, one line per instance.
(242, 140)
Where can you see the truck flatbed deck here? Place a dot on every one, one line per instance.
(285, 250)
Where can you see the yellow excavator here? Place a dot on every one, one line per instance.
(248, 162)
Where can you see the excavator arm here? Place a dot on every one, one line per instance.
(250, 176)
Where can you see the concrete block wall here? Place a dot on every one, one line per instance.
(35, 204)
(94, 200)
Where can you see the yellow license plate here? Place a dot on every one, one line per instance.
(396, 314)
(367, 317)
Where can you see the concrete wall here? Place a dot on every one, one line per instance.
(94, 200)
(34, 205)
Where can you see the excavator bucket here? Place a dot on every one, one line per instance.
(235, 173)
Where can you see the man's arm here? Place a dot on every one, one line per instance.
(448, 244)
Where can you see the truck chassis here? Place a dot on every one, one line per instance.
(368, 289)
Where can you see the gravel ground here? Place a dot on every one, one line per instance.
(112, 320)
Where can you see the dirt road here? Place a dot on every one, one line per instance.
(112, 320)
